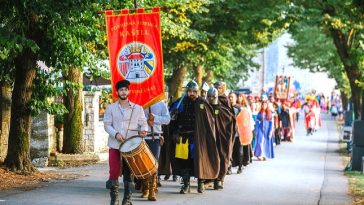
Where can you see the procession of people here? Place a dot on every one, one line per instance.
(200, 136)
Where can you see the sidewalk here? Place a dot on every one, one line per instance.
(335, 184)
(308, 172)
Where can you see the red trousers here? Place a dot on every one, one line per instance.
(115, 164)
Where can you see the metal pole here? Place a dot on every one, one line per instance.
(362, 109)
(151, 127)
(135, 4)
(263, 70)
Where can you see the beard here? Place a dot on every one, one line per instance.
(123, 97)
(193, 97)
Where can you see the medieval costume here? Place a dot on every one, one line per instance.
(255, 111)
(164, 165)
(157, 115)
(310, 120)
(225, 127)
(264, 148)
(277, 127)
(317, 111)
(194, 127)
(286, 122)
(243, 140)
(133, 118)
(242, 149)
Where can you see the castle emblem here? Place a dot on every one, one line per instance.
(136, 62)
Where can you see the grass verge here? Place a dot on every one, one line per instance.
(356, 179)
(356, 186)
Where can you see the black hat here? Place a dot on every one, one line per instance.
(122, 84)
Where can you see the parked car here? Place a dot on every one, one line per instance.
(245, 91)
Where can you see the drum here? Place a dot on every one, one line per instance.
(139, 158)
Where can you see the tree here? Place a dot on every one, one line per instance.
(341, 21)
(78, 43)
(315, 51)
(231, 38)
(29, 31)
(72, 120)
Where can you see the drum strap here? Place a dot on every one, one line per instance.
(127, 130)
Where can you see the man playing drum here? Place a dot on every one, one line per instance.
(158, 115)
(121, 119)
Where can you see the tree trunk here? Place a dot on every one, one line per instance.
(73, 128)
(176, 82)
(5, 113)
(356, 97)
(350, 66)
(344, 100)
(199, 72)
(209, 77)
(18, 157)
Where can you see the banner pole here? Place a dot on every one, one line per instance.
(150, 111)
(151, 127)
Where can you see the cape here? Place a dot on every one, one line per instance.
(206, 156)
(206, 161)
(225, 129)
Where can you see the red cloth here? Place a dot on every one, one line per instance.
(310, 120)
(115, 164)
(135, 50)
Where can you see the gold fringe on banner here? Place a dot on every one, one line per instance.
(137, 10)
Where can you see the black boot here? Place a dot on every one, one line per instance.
(239, 170)
(200, 186)
(186, 185)
(113, 185)
(127, 193)
(167, 177)
(218, 184)
(229, 172)
(138, 184)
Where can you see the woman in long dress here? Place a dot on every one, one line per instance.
(264, 148)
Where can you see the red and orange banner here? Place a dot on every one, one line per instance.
(135, 51)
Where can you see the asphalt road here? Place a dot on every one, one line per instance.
(307, 171)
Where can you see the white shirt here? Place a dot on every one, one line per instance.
(161, 117)
(118, 118)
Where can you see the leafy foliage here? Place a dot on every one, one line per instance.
(315, 51)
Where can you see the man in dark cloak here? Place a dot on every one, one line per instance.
(194, 122)
(225, 129)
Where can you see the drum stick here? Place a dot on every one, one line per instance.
(138, 131)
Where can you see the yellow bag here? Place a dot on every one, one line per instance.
(182, 149)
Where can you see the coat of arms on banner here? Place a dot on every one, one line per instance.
(136, 62)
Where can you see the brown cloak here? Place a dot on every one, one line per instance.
(206, 156)
(225, 129)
